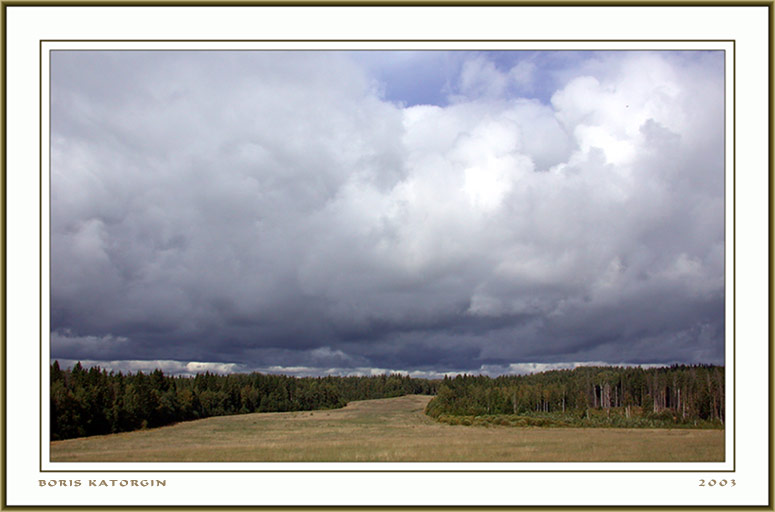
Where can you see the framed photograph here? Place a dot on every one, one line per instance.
(388, 255)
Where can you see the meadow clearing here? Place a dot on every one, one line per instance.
(385, 430)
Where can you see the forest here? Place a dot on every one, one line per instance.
(676, 396)
(86, 402)
(93, 401)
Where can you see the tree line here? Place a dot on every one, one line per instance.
(618, 396)
(93, 401)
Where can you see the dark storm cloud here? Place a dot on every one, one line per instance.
(260, 210)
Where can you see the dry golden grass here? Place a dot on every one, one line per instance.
(393, 430)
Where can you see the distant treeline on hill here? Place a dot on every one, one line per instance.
(93, 401)
(587, 396)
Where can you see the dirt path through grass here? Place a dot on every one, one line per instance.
(392, 429)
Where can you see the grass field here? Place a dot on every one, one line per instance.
(393, 429)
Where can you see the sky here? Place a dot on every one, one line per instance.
(428, 212)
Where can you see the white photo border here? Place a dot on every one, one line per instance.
(747, 193)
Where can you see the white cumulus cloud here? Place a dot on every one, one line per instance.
(273, 209)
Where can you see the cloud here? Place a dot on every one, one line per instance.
(274, 209)
(186, 369)
(64, 344)
(192, 368)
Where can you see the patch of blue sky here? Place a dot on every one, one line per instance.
(438, 77)
(412, 77)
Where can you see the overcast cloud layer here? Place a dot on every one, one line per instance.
(428, 212)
